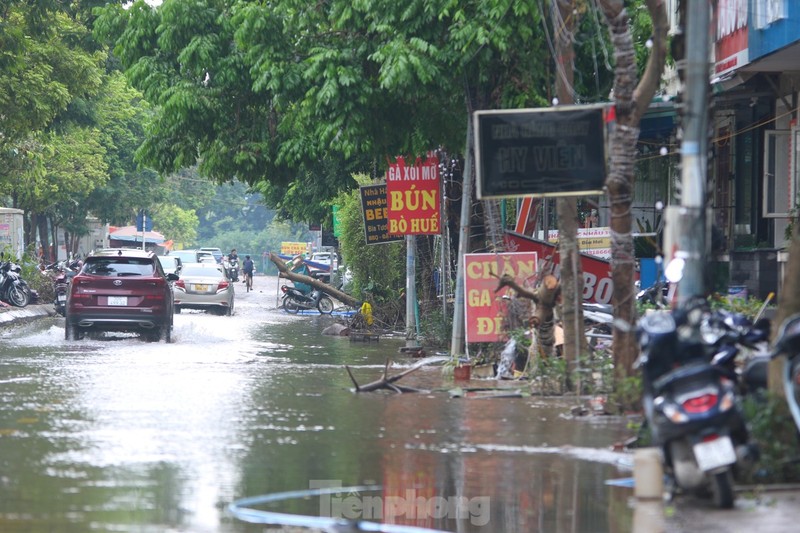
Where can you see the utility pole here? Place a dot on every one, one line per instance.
(411, 292)
(459, 309)
(694, 151)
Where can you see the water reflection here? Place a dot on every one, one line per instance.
(122, 436)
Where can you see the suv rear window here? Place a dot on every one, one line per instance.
(119, 266)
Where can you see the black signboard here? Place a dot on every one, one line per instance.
(373, 208)
(558, 151)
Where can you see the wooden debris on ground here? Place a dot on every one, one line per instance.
(387, 382)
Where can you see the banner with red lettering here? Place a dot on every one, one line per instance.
(484, 315)
(412, 194)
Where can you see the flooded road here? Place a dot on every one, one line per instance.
(122, 435)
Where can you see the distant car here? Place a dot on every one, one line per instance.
(170, 263)
(120, 290)
(186, 256)
(322, 258)
(216, 252)
(204, 286)
(206, 257)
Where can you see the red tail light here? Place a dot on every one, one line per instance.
(283, 288)
(223, 285)
(700, 404)
(154, 297)
(180, 284)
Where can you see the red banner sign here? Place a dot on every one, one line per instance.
(412, 195)
(598, 286)
(484, 315)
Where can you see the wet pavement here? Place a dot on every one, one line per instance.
(131, 436)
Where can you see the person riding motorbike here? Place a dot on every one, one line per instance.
(233, 265)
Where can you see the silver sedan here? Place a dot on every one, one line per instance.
(204, 286)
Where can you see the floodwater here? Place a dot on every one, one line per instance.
(118, 434)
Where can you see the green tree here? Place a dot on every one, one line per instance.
(175, 223)
(289, 93)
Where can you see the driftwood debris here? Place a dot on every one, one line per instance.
(285, 272)
(386, 381)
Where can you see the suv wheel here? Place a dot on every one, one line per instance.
(71, 332)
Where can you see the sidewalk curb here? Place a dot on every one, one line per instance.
(11, 315)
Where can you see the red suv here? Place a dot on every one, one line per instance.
(120, 290)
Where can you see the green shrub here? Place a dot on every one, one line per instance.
(773, 430)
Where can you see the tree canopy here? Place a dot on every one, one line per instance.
(295, 96)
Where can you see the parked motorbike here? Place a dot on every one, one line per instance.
(294, 300)
(732, 334)
(691, 405)
(64, 272)
(13, 289)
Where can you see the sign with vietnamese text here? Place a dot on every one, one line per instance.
(373, 207)
(598, 287)
(293, 248)
(484, 316)
(558, 151)
(591, 241)
(731, 48)
(412, 194)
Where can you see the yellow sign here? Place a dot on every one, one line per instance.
(293, 248)
(591, 241)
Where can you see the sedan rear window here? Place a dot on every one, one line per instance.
(201, 272)
(118, 267)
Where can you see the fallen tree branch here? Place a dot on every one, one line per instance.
(388, 382)
(308, 280)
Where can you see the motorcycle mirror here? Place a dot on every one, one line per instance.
(674, 270)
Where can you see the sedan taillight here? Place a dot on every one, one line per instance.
(223, 285)
(181, 284)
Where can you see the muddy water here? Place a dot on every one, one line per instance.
(121, 435)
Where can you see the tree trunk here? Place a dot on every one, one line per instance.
(308, 280)
(788, 304)
(544, 296)
(44, 238)
(631, 101)
(564, 22)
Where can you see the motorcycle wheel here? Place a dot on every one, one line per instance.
(17, 295)
(722, 489)
(325, 305)
(290, 306)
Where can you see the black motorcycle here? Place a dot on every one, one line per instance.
(294, 300)
(13, 289)
(691, 404)
(64, 272)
